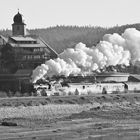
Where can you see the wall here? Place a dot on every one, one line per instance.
(134, 86)
(94, 88)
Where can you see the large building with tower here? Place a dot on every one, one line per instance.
(29, 50)
(23, 52)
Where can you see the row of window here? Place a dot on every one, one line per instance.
(31, 49)
(26, 42)
(31, 57)
(38, 49)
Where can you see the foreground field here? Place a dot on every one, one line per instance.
(97, 117)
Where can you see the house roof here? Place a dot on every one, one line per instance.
(25, 45)
(50, 48)
(114, 74)
(4, 38)
(26, 42)
(134, 77)
(23, 72)
(22, 38)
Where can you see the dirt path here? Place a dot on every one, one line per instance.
(90, 125)
(75, 129)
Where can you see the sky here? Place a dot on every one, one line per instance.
(46, 13)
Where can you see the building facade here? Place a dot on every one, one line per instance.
(29, 50)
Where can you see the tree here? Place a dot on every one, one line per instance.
(8, 58)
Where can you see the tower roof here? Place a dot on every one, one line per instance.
(18, 18)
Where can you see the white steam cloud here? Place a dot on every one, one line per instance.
(115, 49)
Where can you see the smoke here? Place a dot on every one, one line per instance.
(129, 40)
(114, 50)
(39, 72)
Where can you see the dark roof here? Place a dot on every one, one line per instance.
(112, 74)
(4, 38)
(134, 78)
(18, 19)
(23, 72)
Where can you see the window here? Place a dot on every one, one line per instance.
(24, 57)
(41, 49)
(37, 57)
(18, 27)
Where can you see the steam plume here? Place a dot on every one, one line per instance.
(114, 50)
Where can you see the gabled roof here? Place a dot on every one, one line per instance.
(4, 38)
(134, 78)
(48, 46)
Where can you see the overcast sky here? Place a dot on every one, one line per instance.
(46, 13)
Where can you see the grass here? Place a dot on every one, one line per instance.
(36, 101)
(41, 111)
(39, 115)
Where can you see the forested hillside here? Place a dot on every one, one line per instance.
(62, 37)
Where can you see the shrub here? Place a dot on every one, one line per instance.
(70, 93)
(18, 94)
(30, 103)
(56, 94)
(43, 92)
(76, 92)
(8, 123)
(33, 93)
(26, 94)
(10, 93)
(64, 93)
(82, 98)
(104, 91)
(6, 104)
(3, 94)
(90, 93)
